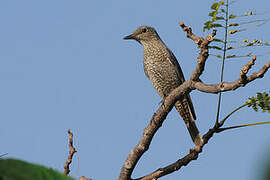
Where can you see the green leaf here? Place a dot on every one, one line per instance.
(233, 31)
(220, 18)
(251, 13)
(213, 13)
(259, 96)
(214, 6)
(255, 42)
(207, 25)
(244, 41)
(232, 16)
(221, 2)
(233, 24)
(231, 56)
(215, 47)
(218, 40)
(262, 101)
(216, 25)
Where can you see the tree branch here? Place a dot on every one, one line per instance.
(84, 178)
(72, 151)
(228, 86)
(203, 44)
(3, 155)
(149, 132)
(194, 153)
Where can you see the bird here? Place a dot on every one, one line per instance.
(163, 70)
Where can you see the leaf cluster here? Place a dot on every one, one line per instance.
(232, 24)
(262, 101)
(215, 15)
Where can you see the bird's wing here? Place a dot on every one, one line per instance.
(177, 67)
(182, 79)
(146, 72)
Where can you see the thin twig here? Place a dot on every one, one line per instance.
(243, 125)
(3, 155)
(84, 178)
(238, 108)
(72, 151)
(223, 59)
(246, 68)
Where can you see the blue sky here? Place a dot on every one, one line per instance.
(64, 65)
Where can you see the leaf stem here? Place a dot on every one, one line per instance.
(223, 121)
(243, 125)
(223, 58)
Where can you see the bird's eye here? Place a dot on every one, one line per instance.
(144, 30)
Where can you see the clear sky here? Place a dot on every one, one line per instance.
(64, 65)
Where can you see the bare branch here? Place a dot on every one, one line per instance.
(246, 68)
(228, 86)
(84, 178)
(3, 155)
(203, 44)
(193, 155)
(196, 39)
(72, 151)
(150, 130)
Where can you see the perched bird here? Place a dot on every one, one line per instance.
(163, 70)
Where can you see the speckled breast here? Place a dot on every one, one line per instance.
(159, 69)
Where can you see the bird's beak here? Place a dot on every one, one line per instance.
(129, 37)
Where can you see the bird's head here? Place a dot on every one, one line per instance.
(143, 34)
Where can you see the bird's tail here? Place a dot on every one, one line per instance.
(186, 110)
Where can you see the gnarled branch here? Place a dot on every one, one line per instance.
(229, 86)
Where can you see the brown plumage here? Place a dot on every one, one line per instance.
(163, 70)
